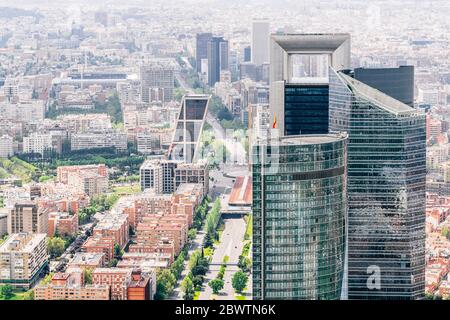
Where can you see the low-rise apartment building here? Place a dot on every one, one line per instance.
(71, 286)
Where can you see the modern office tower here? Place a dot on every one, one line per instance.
(217, 54)
(189, 127)
(233, 65)
(260, 41)
(25, 216)
(158, 74)
(201, 51)
(248, 54)
(23, 257)
(395, 82)
(299, 211)
(299, 88)
(386, 190)
(224, 51)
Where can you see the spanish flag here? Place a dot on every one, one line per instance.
(274, 125)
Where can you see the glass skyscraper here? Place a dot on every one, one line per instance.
(386, 190)
(299, 211)
(305, 109)
(189, 126)
(217, 54)
(299, 90)
(395, 82)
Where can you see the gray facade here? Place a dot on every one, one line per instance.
(217, 54)
(201, 47)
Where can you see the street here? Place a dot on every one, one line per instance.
(230, 245)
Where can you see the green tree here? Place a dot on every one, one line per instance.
(193, 259)
(437, 297)
(216, 285)
(47, 279)
(239, 281)
(118, 252)
(197, 281)
(29, 295)
(192, 234)
(429, 296)
(55, 247)
(199, 270)
(445, 232)
(6, 292)
(165, 282)
(112, 263)
(208, 241)
(188, 288)
(245, 263)
(88, 275)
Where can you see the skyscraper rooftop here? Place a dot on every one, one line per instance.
(379, 98)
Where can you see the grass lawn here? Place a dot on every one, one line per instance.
(127, 190)
(4, 174)
(18, 295)
(17, 167)
(240, 297)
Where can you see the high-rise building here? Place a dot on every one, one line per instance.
(158, 174)
(25, 216)
(299, 212)
(201, 51)
(395, 82)
(37, 143)
(260, 41)
(157, 75)
(151, 176)
(386, 190)
(3, 223)
(217, 54)
(189, 127)
(6, 146)
(23, 257)
(248, 54)
(299, 89)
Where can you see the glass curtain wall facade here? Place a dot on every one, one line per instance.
(299, 211)
(305, 109)
(189, 127)
(386, 190)
(395, 82)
